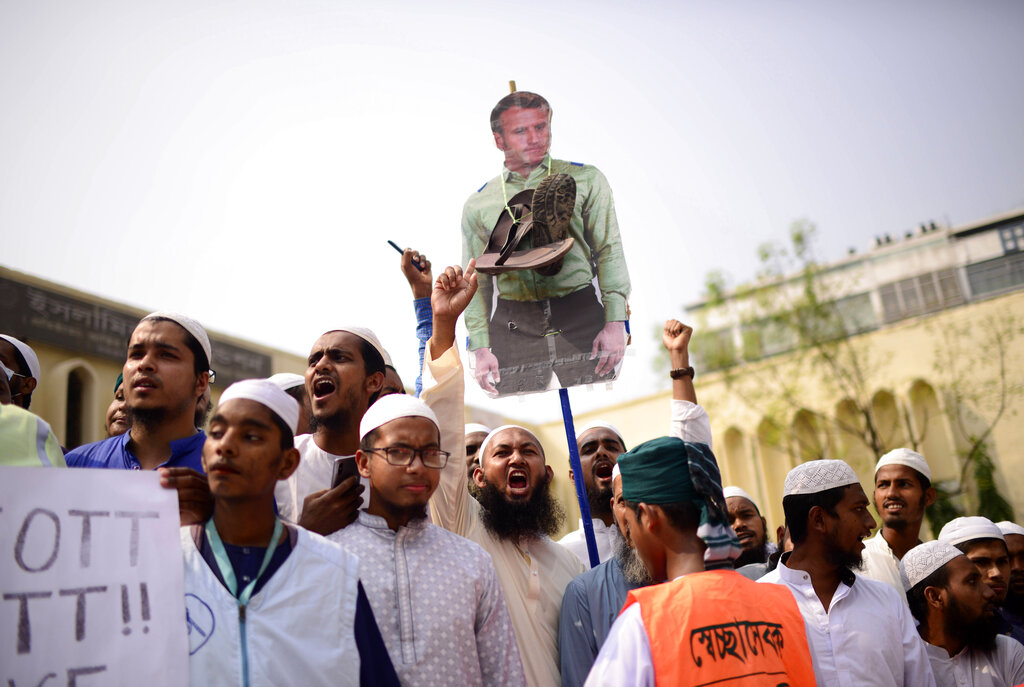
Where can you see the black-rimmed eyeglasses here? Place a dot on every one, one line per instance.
(402, 456)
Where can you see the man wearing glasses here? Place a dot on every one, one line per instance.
(436, 596)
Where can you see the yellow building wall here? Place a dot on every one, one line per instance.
(903, 358)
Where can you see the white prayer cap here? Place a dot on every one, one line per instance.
(924, 559)
(969, 528)
(369, 337)
(729, 492)
(487, 439)
(287, 380)
(602, 425)
(268, 394)
(616, 471)
(904, 456)
(27, 353)
(477, 427)
(816, 476)
(188, 324)
(392, 407)
(1007, 527)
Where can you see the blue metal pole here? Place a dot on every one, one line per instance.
(577, 471)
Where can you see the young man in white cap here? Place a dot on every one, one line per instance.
(600, 444)
(514, 522)
(956, 613)
(280, 605)
(903, 489)
(984, 544)
(859, 630)
(752, 530)
(706, 624)
(1013, 608)
(439, 604)
(344, 376)
(166, 372)
(19, 357)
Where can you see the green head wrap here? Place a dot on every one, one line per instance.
(656, 472)
(120, 378)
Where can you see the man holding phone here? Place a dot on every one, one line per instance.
(345, 375)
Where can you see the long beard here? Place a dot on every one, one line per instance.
(980, 634)
(633, 568)
(520, 520)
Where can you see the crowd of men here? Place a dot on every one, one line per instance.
(346, 532)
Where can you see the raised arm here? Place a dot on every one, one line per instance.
(421, 281)
(689, 421)
(444, 392)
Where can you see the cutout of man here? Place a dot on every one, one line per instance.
(516, 514)
(674, 509)
(903, 489)
(858, 629)
(956, 612)
(439, 605)
(345, 375)
(287, 605)
(19, 357)
(166, 372)
(543, 319)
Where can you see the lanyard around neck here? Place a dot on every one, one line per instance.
(504, 193)
(227, 571)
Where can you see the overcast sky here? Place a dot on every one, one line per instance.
(246, 161)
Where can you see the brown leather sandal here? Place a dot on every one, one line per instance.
(544, 214)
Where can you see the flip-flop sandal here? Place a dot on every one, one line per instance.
(544, 213)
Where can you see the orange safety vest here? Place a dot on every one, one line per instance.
(718, 627)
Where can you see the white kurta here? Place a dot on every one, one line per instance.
(300, 627)
(867, 636)
(606, 536)
(625, 657)
(881, 564)
(1002, 667)
(437, 602)
(315, 470)
(533, 573)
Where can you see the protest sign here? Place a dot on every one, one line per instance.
(91, 580)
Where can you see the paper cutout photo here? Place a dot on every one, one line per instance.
(545, 236)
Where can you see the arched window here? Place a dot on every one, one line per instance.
(931, 430)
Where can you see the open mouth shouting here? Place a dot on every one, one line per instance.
(603, 470)
(518, 481)
(323, 387)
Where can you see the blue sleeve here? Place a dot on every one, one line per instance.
(375, 667)
(576, 646)
(424, 329)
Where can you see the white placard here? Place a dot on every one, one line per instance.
(91, 581)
